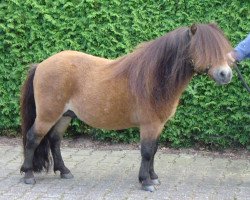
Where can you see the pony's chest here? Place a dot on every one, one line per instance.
(169, 111)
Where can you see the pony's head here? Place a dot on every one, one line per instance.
(208, 52)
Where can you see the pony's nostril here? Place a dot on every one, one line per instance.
(222, 74)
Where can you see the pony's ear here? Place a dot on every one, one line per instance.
(214, 25)
(193, 29)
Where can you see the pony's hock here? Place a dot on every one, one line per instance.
(141, 89)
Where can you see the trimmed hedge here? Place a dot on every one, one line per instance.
(32, 30)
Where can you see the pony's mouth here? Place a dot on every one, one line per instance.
(223, 82)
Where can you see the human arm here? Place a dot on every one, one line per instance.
(242, 50)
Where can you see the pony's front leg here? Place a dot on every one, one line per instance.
(152, 173)
(147, 176)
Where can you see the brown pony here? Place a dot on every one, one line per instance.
(141, 89)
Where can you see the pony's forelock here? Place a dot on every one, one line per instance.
(208, 46)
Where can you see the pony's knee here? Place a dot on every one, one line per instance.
(32, 139)
(148, 149)
(146, 154)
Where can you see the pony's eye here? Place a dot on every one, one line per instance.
(207, 68)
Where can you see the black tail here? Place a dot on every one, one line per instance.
(41, 158)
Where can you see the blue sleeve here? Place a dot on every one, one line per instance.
(243, 49)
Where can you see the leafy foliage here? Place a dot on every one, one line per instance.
(32, 30)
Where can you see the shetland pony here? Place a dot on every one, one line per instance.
(141, 89)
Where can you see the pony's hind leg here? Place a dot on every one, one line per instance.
(55, 138)
(35, 151)
(32, 141)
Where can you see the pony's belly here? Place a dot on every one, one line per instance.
(103, 104)
(108, 122)
(107, 116)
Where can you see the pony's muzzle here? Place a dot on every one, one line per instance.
(223, 75)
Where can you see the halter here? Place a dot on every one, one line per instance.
(198, 71)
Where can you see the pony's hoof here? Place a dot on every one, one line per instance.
(156, 181)
(30, 181)
(149, 188)
(67, 176)
(29, 178)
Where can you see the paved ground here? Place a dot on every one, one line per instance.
(112, 174)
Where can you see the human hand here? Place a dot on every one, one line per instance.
(231, 57)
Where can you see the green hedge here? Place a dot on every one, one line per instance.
(32, 30)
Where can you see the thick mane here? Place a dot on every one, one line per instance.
(161, 68)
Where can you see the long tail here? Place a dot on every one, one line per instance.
(41, 158)
(28, 106)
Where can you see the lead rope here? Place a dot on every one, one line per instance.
(241, 78)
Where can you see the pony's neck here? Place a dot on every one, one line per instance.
(172, 84)
(157, 71)
(164, 111)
